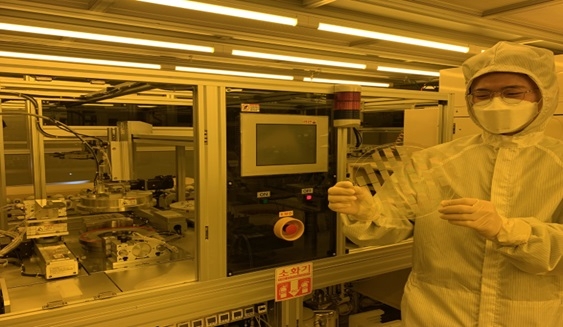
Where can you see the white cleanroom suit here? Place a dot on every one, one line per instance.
(512, 277)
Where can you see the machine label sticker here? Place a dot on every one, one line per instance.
(263, 194)
(128, 201)
(294, 281)
(250, 107)
(308, 190)
(286, 214)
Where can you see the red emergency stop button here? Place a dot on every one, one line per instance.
(290, 229)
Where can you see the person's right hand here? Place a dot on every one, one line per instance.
(352, 200)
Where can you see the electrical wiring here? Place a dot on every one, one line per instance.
(23, 272)
(35, 104)
(16, 235)
(16, 240)
(58, 124)
(359, 137)
(5, 261)
(259, 319)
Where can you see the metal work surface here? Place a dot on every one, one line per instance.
(174, 303)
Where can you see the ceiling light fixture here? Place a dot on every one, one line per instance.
(407, 71)
(21, 55)
(228, 11)
(338, 81)
(391, 37)
(304, 60)
(103, 37)
(232, 73)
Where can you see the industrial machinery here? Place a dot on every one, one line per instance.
(115, 225)
(105, 230)
(172, 205)
(278, 174)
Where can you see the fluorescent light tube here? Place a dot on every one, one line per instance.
(232, 73)
(407, 71)
(21, 55)
(338, 81)
(221, 10)
(103, 37)
(391, 37)
(262, 55)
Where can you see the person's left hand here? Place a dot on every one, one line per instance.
(478, 214)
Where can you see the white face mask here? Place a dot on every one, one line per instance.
(498, 117)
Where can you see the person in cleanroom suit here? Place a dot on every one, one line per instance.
(485, 211)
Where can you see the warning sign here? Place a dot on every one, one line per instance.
(250, 107)
(294, 281)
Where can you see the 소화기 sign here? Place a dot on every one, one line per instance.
(294, 281)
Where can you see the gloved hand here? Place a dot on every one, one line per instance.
(356, 201)
(478, 214)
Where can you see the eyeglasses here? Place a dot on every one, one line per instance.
(508, 95)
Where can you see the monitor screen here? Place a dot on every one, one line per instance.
(274, 144)
(285, 144)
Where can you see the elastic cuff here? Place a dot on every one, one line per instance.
(513, 232)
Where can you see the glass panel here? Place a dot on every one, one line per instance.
(108, 114)
(391, 130)
(18, 169)
(279, 169)
(116, 216)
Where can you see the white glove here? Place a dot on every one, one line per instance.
(478, 214)
(352, 200)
